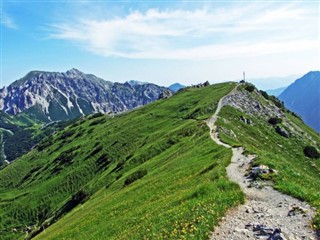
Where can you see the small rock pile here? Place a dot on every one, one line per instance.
(201, 85)
(261, 231)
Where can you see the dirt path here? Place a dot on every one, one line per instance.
(266, 211)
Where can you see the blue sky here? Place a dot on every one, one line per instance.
(162, 41)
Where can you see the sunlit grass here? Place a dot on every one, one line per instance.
(182, 196)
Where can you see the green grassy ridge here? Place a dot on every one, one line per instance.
(176, 192)
(297, 175)
(168, 138)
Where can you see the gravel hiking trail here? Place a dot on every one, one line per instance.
(266, 213)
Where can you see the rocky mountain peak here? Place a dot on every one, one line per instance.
(135, 82)
(75, 73)
(60, 96)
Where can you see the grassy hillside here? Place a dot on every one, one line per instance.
(297, 175)
(151, 173)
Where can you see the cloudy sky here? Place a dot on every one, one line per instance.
(162, 41)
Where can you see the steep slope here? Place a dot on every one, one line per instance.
(166, 140)
(303, 98)
(53, 96)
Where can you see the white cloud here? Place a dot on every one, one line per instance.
(7, 21)
(201, 34)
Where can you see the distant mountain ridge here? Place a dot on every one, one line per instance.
(303, 97)
(59, 96)
(176, 87)
(275, 92)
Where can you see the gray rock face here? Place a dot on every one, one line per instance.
(246, 102)
(60, 96)
(254, 105)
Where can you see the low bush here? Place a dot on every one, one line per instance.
(250, 88)
(42, 145)
(135, 176)
(277, 102)
(97, 121)
(95, 151)
(311, 152)
(67, 134)
(275, 120)
(96, 115)
(264, 94)
(66, 157)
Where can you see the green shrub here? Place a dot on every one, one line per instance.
(67, 134)
(250, 88)
(96, 115)
(97, 121)
(276, 102)
(66, 157)
(275, 120)
(264, 94)
(295, 115)
(44, 144)
(95, 151)
(311, 152)
(135, 176)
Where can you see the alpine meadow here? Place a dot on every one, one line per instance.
(152, 173)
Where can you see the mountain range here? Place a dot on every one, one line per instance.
(54, 96)
(303, 98)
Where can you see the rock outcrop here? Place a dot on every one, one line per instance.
(248, 103)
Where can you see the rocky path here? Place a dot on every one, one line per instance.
(267, 213)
